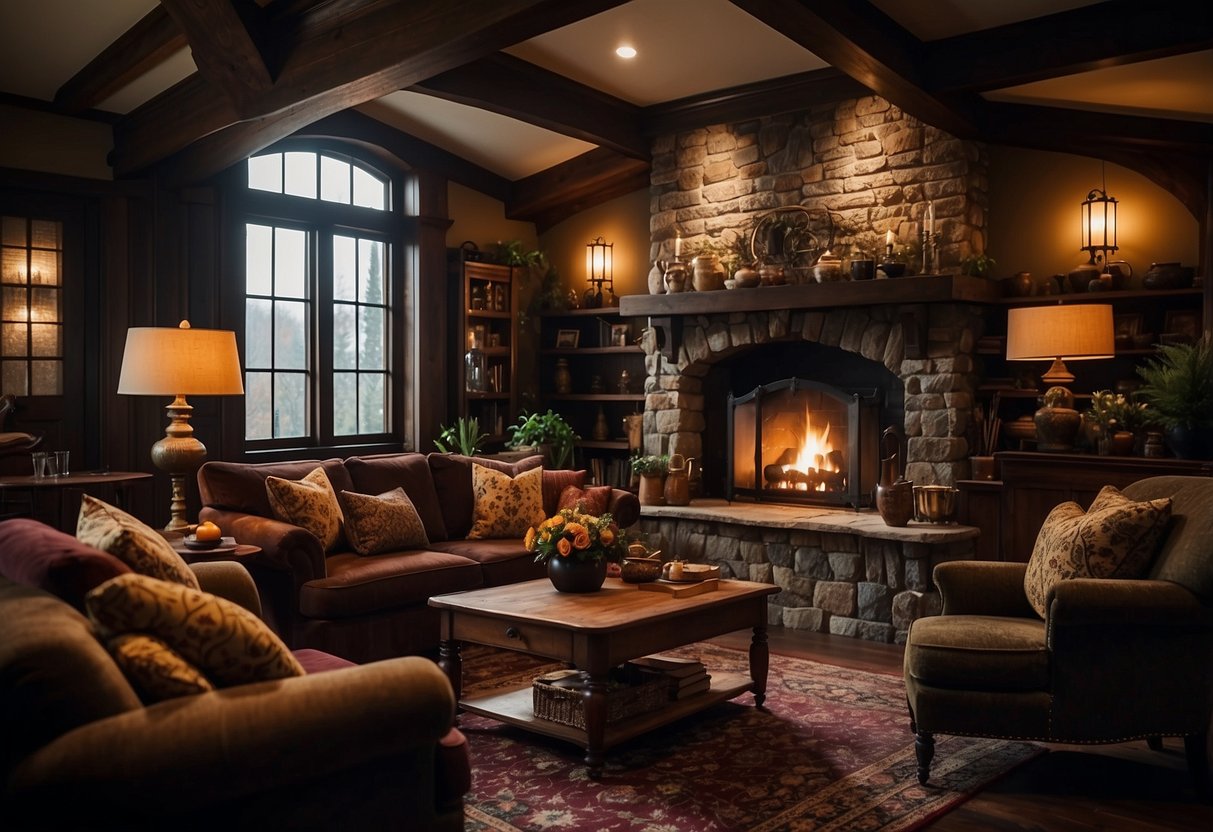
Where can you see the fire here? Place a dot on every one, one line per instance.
(814, 456)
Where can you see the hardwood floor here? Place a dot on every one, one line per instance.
(1070, 789)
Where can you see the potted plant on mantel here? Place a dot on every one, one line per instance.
(548, 433)
(1179, 389)
(651, 469)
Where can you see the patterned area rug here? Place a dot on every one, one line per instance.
(831, 750)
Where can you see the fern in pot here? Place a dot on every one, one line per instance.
(1179, 390)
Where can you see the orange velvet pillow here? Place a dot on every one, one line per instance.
(593, 500)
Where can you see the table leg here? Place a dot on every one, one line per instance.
(759, 662)
(450, 660)
(595, 697)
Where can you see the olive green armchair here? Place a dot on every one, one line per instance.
(1112, 661)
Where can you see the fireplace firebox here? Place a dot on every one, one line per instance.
(802, 441)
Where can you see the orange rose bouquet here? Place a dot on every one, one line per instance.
(571, 534)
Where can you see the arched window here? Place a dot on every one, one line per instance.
(320, 238)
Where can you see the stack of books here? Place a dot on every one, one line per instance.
(687, 677)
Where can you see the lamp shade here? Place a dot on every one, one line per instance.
(1037, 333)
(166, 361)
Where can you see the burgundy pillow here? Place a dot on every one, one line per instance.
(453, 481)
(594, 500)
(37, 555)
(554, 485)
(382, 473)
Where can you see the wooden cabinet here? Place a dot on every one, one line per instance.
(598, 350)
(1034, 483)
(484, 354)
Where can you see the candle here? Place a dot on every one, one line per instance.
(677, 244)
(888, 242)
(930, 217)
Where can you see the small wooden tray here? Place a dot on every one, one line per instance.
(691, 573)
(681, 590)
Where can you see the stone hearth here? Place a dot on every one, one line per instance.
(840, 572)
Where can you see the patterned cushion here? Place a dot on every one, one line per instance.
(386, 523)
(309, 503)
(222, 639)
(505, 506)
(155, 669)
(593, 500)
(1115, 538)
(453, 481)
(140, 547)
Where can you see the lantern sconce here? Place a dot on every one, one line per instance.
(598, 273)
(1099, 225)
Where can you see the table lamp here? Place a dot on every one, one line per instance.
(1059, 334)
(179, 362)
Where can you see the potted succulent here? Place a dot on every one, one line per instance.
(651, 469)
(548, 433)
(1179, 389)
(462, 437)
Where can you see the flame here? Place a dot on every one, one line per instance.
(813, 454)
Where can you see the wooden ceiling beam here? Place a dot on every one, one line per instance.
(857, 38)
(513, 87)
(551, 195)
(226, 38)
(381, 47)
(762, 98)
(144, 46)
(1092, 37)
(1028, 125)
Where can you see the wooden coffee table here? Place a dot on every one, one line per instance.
(594, 633)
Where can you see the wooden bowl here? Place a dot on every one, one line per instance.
(640, 570)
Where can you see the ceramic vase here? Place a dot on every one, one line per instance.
(572, 575)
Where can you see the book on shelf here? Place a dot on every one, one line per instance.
(698, 685)
(674, 666)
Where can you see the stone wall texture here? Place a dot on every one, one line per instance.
(872, 166)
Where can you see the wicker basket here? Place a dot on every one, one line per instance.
(558, 696)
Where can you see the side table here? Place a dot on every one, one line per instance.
(62, 488)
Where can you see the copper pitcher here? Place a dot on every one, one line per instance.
(894, 494)
(678, 480)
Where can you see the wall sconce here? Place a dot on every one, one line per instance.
(166, 361)
(1099, 224)
(599, 257)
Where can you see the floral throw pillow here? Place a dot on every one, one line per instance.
(309, 503)
(226, 642)
(593, 500)
(156, 670)
(384, 523)
(136, 544)
(505, 506)
(1115, 538)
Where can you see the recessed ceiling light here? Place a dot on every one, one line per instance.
(626, 52)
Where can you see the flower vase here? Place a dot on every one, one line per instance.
(573, 575)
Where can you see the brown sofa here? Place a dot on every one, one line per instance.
(366, 608)
(345, 746)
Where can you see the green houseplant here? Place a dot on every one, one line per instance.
(651, 469)
(1179, 388)
(463, 437)
(545, 430)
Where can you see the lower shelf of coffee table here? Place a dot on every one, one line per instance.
(516, 707)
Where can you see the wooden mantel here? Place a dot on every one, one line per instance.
(666, 312)
(945, 288)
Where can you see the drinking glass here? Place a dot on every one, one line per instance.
(61, 466)
(39, 458)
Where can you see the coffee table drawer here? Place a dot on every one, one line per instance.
(514, 635)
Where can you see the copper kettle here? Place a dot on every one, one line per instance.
(894, 494)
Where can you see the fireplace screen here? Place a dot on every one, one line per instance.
(800, 441)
